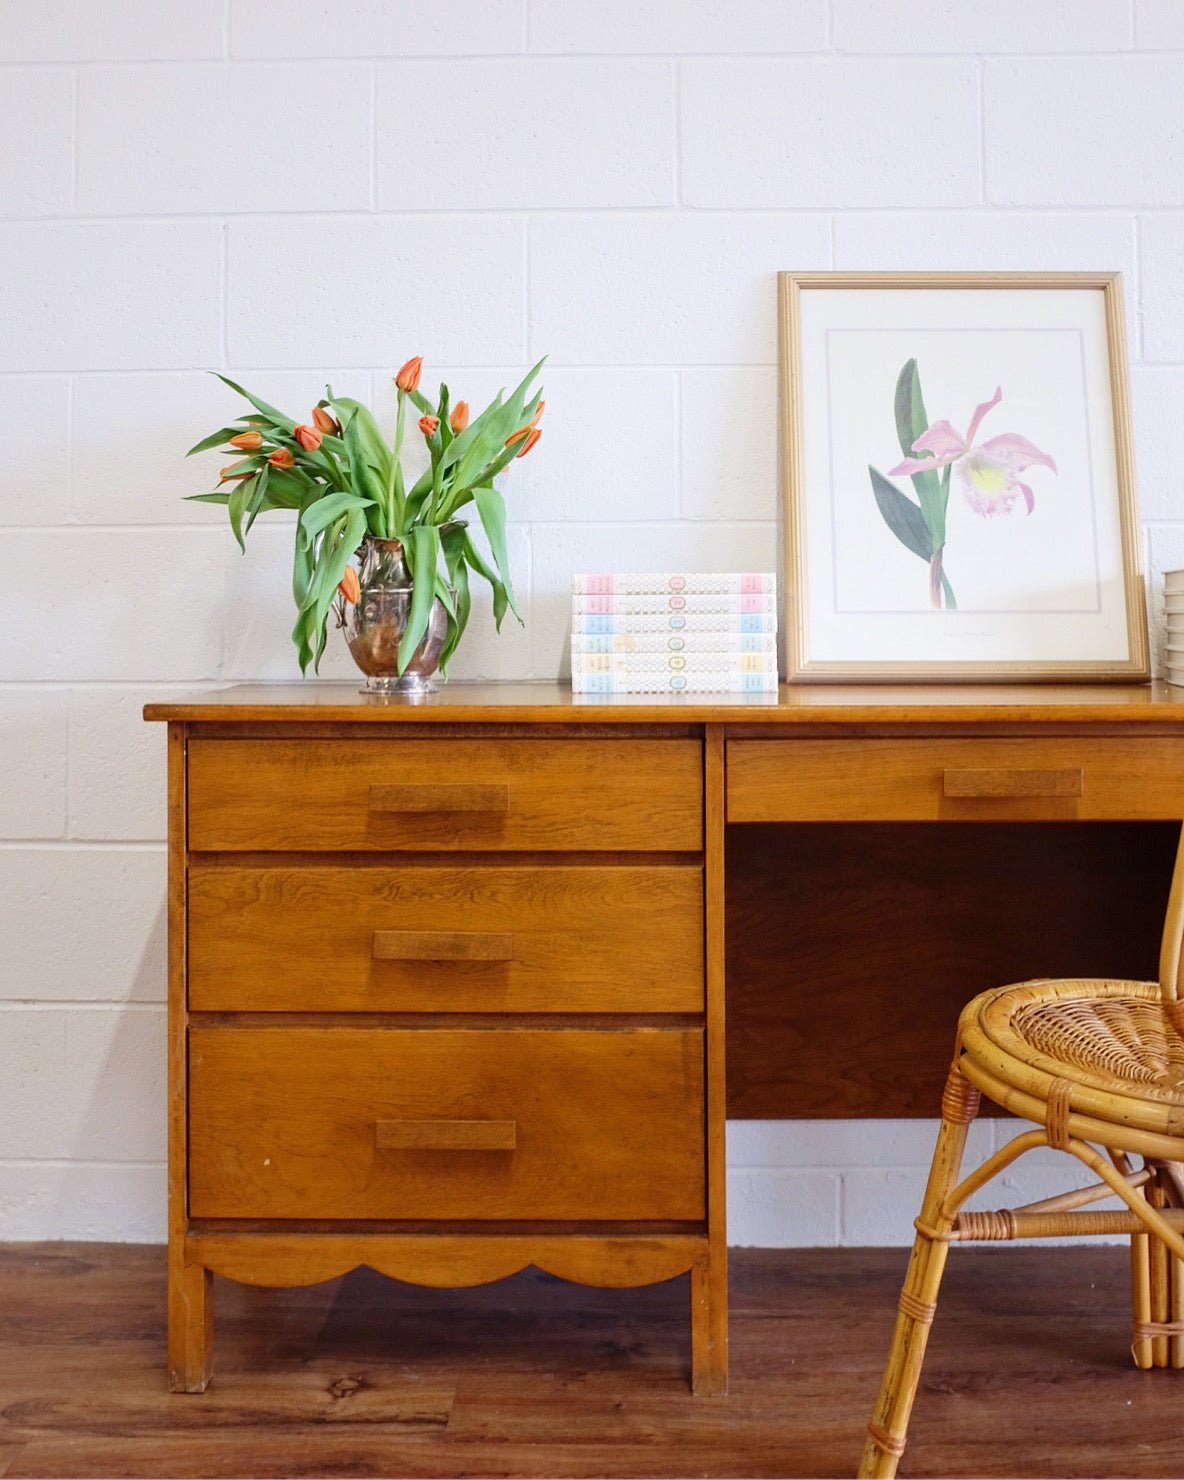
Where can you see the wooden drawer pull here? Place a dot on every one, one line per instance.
(1001, 782)
(444, 797)
(445, 1135)
(442, 945)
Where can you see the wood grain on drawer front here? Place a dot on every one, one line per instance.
(447, 939)
(927, 780)
(315, 1123)
(445, 794)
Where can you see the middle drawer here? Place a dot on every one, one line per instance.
(446, 939)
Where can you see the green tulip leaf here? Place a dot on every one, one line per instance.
(276, 417)
(423, 556)
(492, 509)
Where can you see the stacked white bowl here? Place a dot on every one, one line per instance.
(1173, 600)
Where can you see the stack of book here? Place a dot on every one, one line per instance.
(1173, 600)
(690, 634)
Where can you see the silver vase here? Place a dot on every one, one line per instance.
(375, 624)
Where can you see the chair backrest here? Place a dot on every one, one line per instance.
(1172, 943)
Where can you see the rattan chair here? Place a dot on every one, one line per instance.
(1097, 1062)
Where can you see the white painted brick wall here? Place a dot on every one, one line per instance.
(293, 193)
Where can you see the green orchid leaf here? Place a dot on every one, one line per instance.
(423, 555)
(948, 593)
(492, 509)
(276, 417)
(902, 516)
(912, 423)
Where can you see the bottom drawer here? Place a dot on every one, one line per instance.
(440, 1123)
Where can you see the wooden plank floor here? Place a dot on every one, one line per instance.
(1028, 1375)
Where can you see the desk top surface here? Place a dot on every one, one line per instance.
(793, 704)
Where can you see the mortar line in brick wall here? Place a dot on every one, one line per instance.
(678, 426)
(676, 128)
(830, 25)
(224, 290)
(74, 1004)
(819, 54)
(527, 341)
(69, 449)
(981, 101)
(372, 131)
(74, 109)
(642, 213)
(78, 845)
(1134, 27)
(1137, 284)
(226, 53)
(72, 1161)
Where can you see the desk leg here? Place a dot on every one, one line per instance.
(709, 1280)
(191, 1325)
(709, 1328)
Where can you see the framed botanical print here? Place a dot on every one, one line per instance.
(959, 478)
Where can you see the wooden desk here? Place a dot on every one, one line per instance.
(447, 979)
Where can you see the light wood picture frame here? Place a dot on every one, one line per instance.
(924, 545)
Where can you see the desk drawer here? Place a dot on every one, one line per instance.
(447, 939)
(927, 780)
(403, 1123)
(426, 794)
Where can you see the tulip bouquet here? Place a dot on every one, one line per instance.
(346, 484)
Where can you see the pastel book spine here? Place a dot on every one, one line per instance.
(639, 663)
(673, 642)
(764, 602)
(727, 583)
(674, 683)
(600, 624)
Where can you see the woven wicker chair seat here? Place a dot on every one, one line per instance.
(1117, 1040)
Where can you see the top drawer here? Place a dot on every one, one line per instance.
(442, 794)
(1068, 778)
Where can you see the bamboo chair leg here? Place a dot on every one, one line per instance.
(1160, 1272)
(890, 1418)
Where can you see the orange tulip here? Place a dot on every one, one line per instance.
(308, 437)
(517, 436)
(282, 458)
(530, 441)
(408, 377)
(350, 587)
(228, 477)
(429, 425)
(534, 420)
(247, 441)
(460, 416)
(325, 423)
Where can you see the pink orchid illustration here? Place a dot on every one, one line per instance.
(989, 473)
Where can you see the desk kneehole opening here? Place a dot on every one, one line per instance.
(445, 1135)
(1004, 781)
